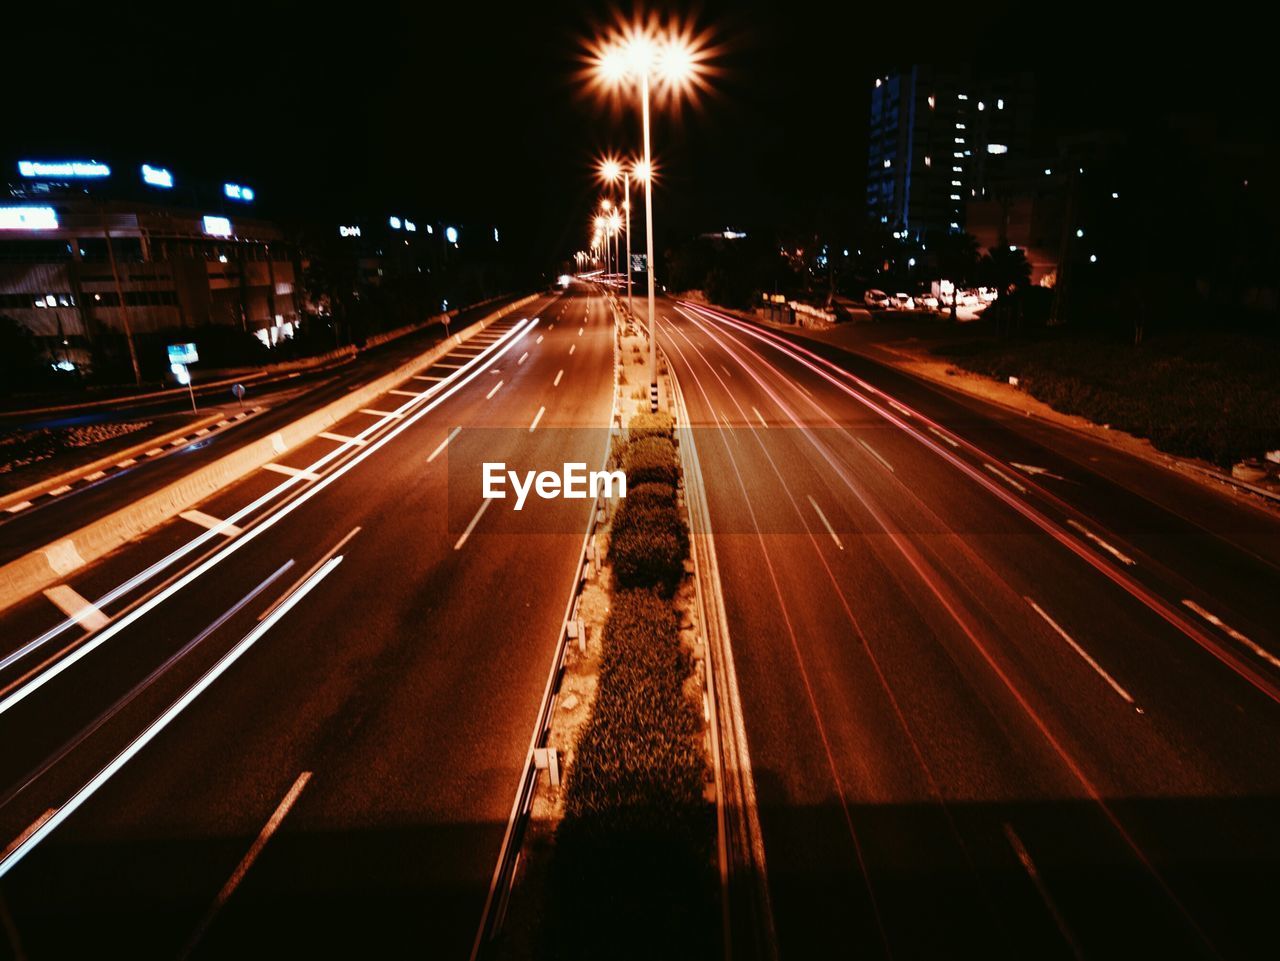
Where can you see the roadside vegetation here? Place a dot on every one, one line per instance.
(1212, 396)
(634, 850)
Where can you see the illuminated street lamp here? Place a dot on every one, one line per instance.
(649, 57)
(611, 171)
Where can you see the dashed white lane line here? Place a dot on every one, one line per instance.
(484, 506)
(59, 490)
(943, 437)
(76, 607)
(404, 393)
(178, 443)
(210, 522)
(763, 422)
(537, 417)
(496, 387)
(572, 348)
(580, 330)
(826, 523)
(558, 376)
(1114, 552)
(342, 438)
(1235, 635)
(1005, 477)
(876, 454)
(96, 475)
(431, 377)
(904, 411)
(126, 463)
(1114, 684)
(379, 413)
(539, 340)
(20, 506)
(202, 431)
(233, 882)
(445, 443)
(292, 471)
(726, 370)
(523, 358)
(154, 451)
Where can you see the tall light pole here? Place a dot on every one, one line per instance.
(611, 171)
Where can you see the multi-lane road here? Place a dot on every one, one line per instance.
(302, 729)
(1007, 693)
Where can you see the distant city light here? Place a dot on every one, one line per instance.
(1079, 231)
(911, 262)
(28, 218)
(216, 226)
(349, 231)
(238, 192)
(997, 148)
(933, 101)
(495, 235)
(1048, 171)
(1115, 196)
(157, 176)
(1013, 248)
(410, 226)
(451, 234)
(1000, 103)
(962, 96)
(395, 223)
(981, 105)
(1093, 258)
(78, 169)
(887, 163)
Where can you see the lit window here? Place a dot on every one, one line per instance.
(997, 148)
(954, 225)
(957, 170)
(1000, 103)
(955, 196)
(1013, 248)
(887, 163)
(878, 82)
(959, 139)
(1079, 231)
(981, 105)
(962, 96)
(928, 161)
(956, 183)
(958, 153)
(960, 126)
(933, 101)
(1093, 258)
(1048, 171)
(1115, 196)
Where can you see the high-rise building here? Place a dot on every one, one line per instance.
(940, 137)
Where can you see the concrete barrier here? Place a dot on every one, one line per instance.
(50, 564)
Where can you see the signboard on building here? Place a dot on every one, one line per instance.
(157, 176)
(62, 169)
(28, 218)
(216, 226)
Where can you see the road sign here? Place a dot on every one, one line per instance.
(183, 354)
(238, 391)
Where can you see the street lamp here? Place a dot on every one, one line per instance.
(648, 57)
(611, 171)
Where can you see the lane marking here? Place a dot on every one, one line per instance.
(380, 413)
(444, 443)
(496, 387)
(1005, 477)
(77, 800)
(826, 523)
(572, 348)
(292, 471)
(1114, 684)
(1034, 471)
(20, 506)
(537, 417)
(268, 829)
(342, 438)
(472, 526)
(943, 437)
(126, 463)
(324, 559)
(556, 383)
(428, 377)
(1118, 555)
(211, 523)
(59, 490)
(522, 358)
(96, 475)
(876, 454)
(1231, 632)
(76, 607)
(763, 422)
(202, 431)
(405, 393)
(30, 829)
(1029, 866)
(539, 340)
(580, 330)
(904, 411)
(63, 557)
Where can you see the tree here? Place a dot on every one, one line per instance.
(1008, 271)
(957, 255)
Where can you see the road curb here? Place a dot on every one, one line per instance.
(51, 563)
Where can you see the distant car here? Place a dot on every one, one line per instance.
(927, 302)
(875, 298)
(902, 302)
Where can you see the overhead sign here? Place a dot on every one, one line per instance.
(348, 231)
(183, 354)
(216, 226)
(28, 218)
(238, 192)
(76, 169)
(157, 176)
(638, 262)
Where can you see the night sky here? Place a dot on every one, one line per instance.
(470, 111)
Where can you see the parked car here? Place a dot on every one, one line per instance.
(875, 298)
(926, 302)
(902, 302)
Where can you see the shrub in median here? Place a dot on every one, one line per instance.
(643, 425)
(649, 552)
(651, 460)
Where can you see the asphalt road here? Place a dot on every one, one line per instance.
(284, 401)
(982, 720)
(368, 650)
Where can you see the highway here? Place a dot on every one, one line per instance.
(301, 730)
(282, 402)
(991, 710)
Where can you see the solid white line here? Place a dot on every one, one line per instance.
(763, 422)
(10, 860)
(876, 454)
(472, 526)
(380, 413)
(1231, 632)
(537, 417)
(494, 390)
(556, 383)
(30, 829)
(830, 530)
(342, 438)
(210, 522)
(291, 471)
(443, 444)
(78, 608)
(1115, 685)
(572, 348)
(522, 358)
(20, 506)
(1118, 555)
(943, 437)
(268, 829)
(96, 475)
(1004, 477)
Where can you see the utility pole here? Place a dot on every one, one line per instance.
(124, 307)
